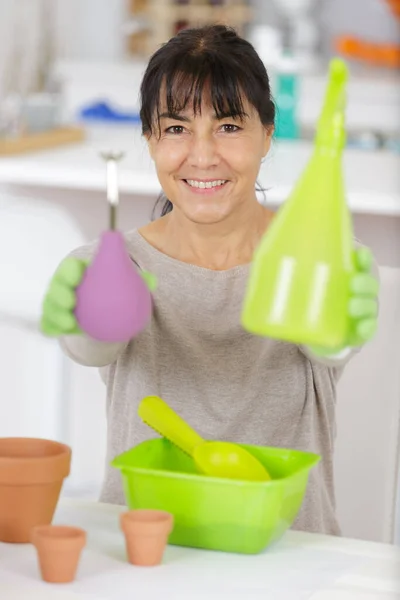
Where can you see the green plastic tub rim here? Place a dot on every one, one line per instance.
(310, 459)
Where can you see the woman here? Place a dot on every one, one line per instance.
(208, 118)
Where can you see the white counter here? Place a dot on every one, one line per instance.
(299, 567)
(372, 178)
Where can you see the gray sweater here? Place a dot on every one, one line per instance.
(228, 384)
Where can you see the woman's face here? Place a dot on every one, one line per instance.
(208, 167)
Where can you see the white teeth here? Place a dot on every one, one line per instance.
(205, 184)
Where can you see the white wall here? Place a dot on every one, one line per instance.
(91, 29)
(368, 425)
(29, 382)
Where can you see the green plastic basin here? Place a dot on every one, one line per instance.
(211, 513)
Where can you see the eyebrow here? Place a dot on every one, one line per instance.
(180, 117)
(174, 116)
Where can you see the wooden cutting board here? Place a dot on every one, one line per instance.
(41, 141)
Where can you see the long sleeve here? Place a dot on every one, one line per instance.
(81, 348)
(90, 353)
(336, 360)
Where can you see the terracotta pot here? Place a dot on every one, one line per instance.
(31, 476)
(59, 549)
(146, 535)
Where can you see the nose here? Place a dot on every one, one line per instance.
(203, 152)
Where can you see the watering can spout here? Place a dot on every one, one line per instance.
(298, 289)
(331, 127)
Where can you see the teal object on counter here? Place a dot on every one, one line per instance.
(214, 513)
(286, 98)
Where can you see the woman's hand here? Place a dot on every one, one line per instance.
(150, 279)
(58, 317)
(362, 307)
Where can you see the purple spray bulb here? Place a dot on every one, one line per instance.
(113, 301)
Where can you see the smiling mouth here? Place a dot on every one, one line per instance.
(213, 185)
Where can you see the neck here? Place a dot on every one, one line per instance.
(217, 246)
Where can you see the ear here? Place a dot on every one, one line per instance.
(150, 145)
(269, 132)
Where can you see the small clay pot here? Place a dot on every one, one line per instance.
(59, 549)
(146, 535)
(32, 471)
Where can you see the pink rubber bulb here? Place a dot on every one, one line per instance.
(114, 303)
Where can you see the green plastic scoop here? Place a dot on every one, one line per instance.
(299, 284)
(216, 459)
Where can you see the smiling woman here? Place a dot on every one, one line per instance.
(209, 88)
(208, 118)
(207, 163)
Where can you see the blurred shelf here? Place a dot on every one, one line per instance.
(154, 22)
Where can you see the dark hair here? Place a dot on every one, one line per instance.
(213, 54)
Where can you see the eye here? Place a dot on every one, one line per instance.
(174, 129)
(230, 128)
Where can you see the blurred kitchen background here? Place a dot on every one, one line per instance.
(69, 78)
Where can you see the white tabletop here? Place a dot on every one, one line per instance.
(372, 178)
(299, 567)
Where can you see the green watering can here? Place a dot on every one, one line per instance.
(298, 289)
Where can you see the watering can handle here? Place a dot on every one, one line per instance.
(160, 417)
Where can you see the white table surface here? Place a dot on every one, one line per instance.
(299, 567)
(372, 178)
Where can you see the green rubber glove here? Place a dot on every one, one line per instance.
(363, 305)
(59, 302)
(150, 279)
